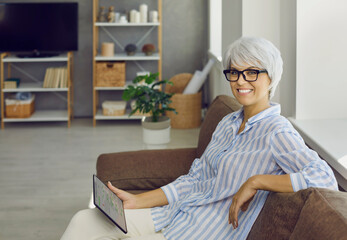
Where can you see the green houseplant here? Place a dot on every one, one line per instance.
(149, 99)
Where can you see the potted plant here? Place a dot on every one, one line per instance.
(148, 49)
(149, 99)
(130, 49)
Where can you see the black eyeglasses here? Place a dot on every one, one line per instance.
(250, 75)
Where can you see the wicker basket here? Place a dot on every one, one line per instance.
(19, 108)
(180, 81)
(188, 107)
(113, 108)
(110, 74)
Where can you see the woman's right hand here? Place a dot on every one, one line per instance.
(154, 198)
(129, 200)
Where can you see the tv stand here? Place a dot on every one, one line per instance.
(37, 54)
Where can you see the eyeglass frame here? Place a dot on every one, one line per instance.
(241, 72)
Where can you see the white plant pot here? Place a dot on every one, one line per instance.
(156, 132)
(161, 136)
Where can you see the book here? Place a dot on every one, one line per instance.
(46, 79)
(56, 78)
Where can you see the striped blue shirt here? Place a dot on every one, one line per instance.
(199, 201)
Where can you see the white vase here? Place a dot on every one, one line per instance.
(156, 132)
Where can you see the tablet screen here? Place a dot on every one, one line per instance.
(109, 203)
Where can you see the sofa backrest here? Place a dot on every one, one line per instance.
(220, 107)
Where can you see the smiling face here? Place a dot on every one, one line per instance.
(252, 95)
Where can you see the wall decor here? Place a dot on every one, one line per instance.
(153, 16)
(111, 16)
(143, 13)
(102, 14)
(107, 49)
(123, 19)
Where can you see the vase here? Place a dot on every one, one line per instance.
(131, 53)
(149, 53)
(156, 132)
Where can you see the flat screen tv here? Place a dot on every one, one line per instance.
(38, 29)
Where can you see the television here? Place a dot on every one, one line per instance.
(38, 29)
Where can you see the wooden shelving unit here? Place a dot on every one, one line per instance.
(97, 111)
(36, 87)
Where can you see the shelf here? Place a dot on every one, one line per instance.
(103, 24)
(100, 116)
(125, 57)
(59, 58)
(34, 87)
(114, 88)
(42, 116)
(139, 31)
(109, 88)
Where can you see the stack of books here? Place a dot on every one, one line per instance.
(55, 78)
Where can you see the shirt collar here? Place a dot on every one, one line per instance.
(274, 109)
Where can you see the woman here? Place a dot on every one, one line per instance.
(252, 151)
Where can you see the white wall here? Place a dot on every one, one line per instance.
(287, 85)
(231, 22)
(240, 18)
(321, 59)
(312, 37)
(261, 18)
(228, 13)
(215, 27)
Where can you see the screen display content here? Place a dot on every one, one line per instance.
(38, 27)
(109, 203)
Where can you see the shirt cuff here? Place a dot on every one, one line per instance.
(298, 181)
(170, 192)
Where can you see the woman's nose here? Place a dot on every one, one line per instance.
(241, 79)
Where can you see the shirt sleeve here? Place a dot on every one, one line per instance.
(181, 186)
(305, 167)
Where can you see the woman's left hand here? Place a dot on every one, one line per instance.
(241, 201)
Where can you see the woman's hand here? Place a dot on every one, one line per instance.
(154, 198)
(129, 200)
(241, 201)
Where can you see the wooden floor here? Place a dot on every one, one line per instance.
(46, 170)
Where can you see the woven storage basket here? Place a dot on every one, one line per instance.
(188, 107)
(19, 108)
(113, 108)
(110, 74)
(180, 81)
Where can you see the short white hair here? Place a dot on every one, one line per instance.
(257, 52)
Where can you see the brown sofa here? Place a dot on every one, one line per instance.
(308, 214)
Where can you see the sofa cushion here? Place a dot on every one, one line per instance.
(311, 213)
(324, 216)
(279, 215)
(220, 107)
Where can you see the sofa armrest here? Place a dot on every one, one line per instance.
(145, 169)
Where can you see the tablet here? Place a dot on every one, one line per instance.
(108, 203)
